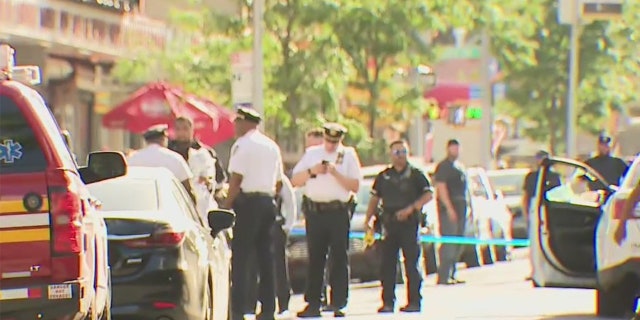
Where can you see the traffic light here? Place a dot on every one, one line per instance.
(474, 113)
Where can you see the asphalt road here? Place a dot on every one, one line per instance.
(494, 292)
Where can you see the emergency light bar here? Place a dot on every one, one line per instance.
(9, 70)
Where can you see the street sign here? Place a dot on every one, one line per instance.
(242, 78)
(592, 10)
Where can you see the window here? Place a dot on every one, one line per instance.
(140, 194)
(574, 185)
(508, 184)
(476, 187)
(20, 151)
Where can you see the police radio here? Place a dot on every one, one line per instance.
(9, 70)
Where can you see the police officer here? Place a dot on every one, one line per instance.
(156, 154)
(611, 168)
(453, 201)
(256, 171)
(330, 173)
(403, 190)
(287, 216)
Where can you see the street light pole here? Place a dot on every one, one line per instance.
(258, 58)
(572, 98)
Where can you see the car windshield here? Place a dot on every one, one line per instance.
(126, 194)
(508, 184)
(476, 187)
(633, 175)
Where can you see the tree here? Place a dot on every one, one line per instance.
(379, 37)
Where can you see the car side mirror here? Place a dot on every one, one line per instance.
(220, 219)
(103, 165)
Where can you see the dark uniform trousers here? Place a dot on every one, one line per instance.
(400, 235)
(328, 233)
(449, 254)
(255, 216)
(281, 273)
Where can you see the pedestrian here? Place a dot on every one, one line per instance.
(201, 163)
(287, 216)
(156, 154)
(612, 169)
(403, 190)
(256, 171)
(452, 203)
(330, 174)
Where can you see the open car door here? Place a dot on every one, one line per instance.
(567, 208)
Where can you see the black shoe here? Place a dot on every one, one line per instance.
(237, 316)
(411, 308)
(386, 309)
(339, 313)
(444, 282)
(457, 281)
(309, 312)
(265, 317)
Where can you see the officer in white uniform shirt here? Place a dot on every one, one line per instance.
(330, 174)
(156, 154)
(256, 175)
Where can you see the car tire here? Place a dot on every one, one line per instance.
(470, 256)
(617, 301)
(429, 259)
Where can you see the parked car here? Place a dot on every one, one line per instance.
(509, 183)
(53, 261)
(166, 262)
(572, 244)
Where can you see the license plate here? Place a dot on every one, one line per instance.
(60, 291)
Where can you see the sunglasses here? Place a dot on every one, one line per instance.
(401, 152)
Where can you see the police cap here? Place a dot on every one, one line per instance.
(156, 131)
(603, 139)
(248, 114)
(334, 130)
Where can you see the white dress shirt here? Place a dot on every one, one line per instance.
(258, 159)
(289, 208)
(155, 155)
(325, 187)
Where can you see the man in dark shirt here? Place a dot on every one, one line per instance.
(612, 169)
(453, 201)
(531, 182)
(403, 190)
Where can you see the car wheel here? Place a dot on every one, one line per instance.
(617, 301)
(429, 259)
(470, 256)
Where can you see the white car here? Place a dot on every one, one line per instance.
(572, 244)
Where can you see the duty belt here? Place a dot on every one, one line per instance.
(327, 206)
(257, 194)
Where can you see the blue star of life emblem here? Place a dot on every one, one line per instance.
(10, 151)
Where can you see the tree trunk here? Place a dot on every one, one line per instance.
(553, 127)
(374, 97)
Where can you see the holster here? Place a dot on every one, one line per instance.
(351, 205)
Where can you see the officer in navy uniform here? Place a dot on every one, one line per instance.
(612, 169)
(403, 190)
(256, 171)
(330, 174)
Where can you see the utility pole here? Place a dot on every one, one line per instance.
(258, 58)
(486, 158)
(572, 97)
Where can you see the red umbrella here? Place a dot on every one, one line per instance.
(446, 94)
(160, 103)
